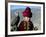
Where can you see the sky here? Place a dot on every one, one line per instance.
(21, 6)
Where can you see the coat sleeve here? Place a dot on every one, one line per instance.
(21, 26)
(31, 26)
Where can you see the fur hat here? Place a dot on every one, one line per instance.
(27, 12)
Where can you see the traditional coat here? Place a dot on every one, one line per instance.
(25, 26)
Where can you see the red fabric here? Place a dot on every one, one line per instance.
(27, 12)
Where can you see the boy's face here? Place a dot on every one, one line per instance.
(26, 19)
